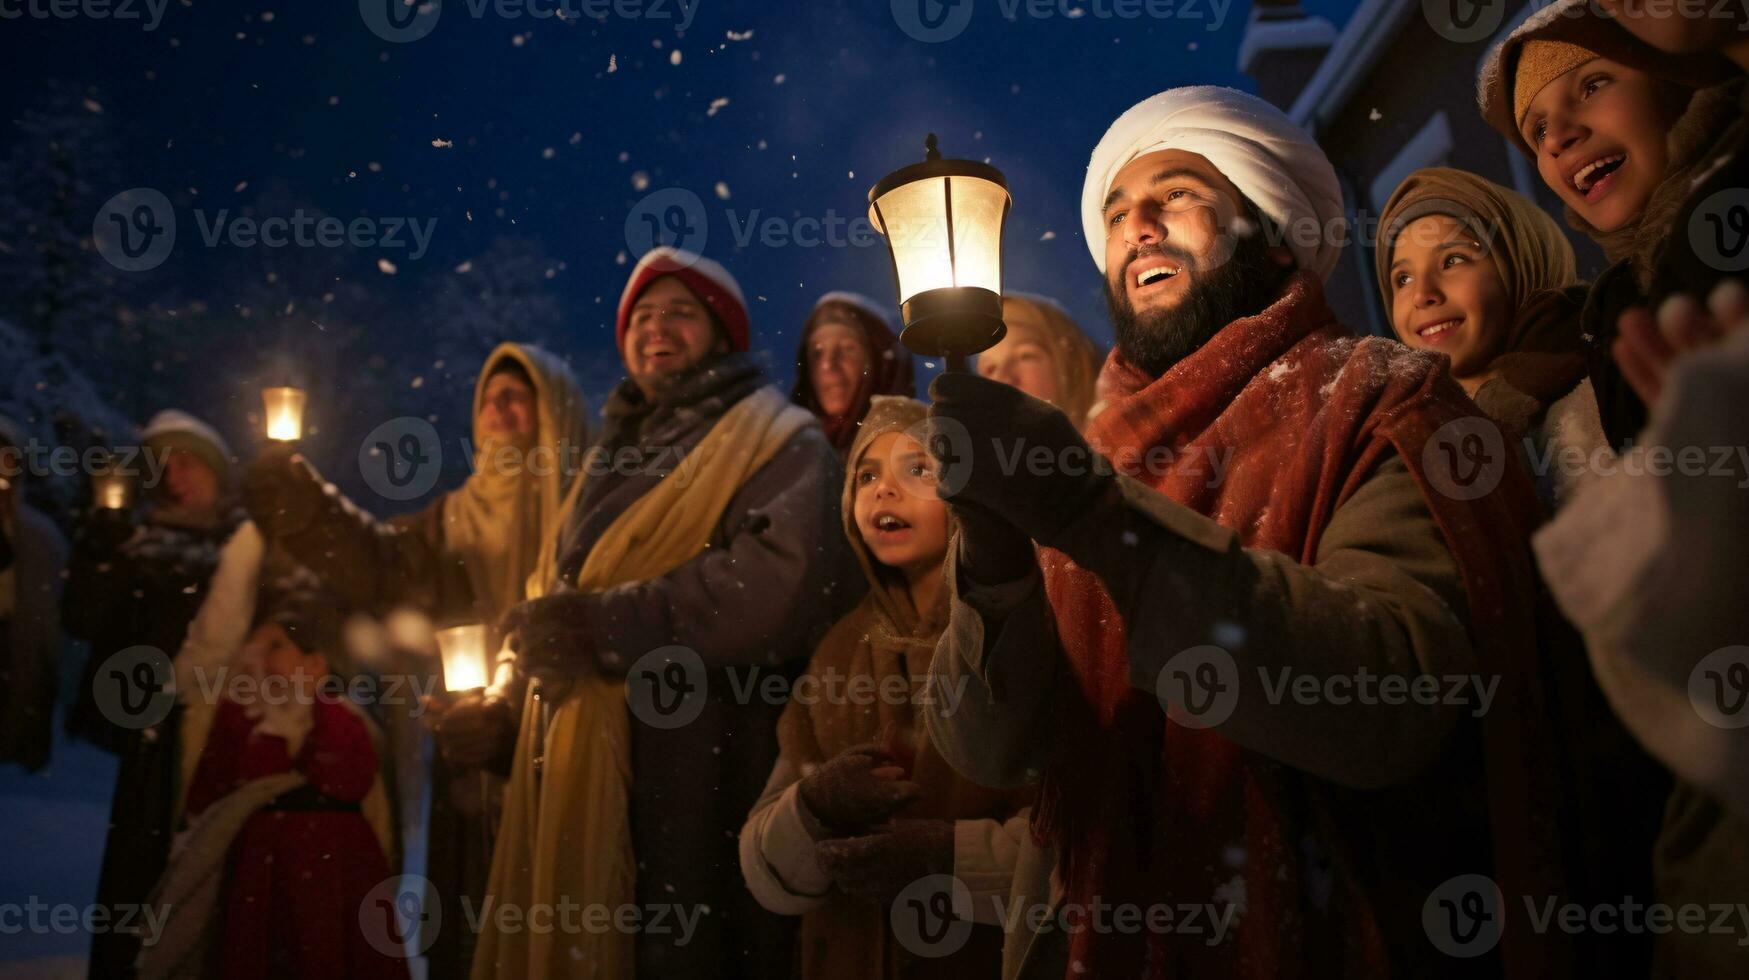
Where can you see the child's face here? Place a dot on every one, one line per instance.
(1599, 135)
(1447, 295)
(902, 521)
(280, 657)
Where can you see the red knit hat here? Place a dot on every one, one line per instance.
(709, 280)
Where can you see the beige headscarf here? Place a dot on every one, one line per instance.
(1543, 352)
(1077, 360)
(503, 516)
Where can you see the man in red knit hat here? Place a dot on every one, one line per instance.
(1272, 663)
(702, 548)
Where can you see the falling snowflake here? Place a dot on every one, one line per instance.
(386, 267)
(1375, 115)
(467, 266)
(612, 64)
(674, 57)
(722, 191)
(715, 105)
(640, 180)
(740, 35)
(1047, 236)
(443, 144)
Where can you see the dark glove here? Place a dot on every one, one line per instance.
(879, 866)
(551, 636)
(986, 438)
(473, 731)
(857, 787)
(991, 550)
(281, 490)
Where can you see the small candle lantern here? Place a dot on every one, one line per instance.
(284, 413)
(112, 488)
(466, 664)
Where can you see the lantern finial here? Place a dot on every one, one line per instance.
(930, 152)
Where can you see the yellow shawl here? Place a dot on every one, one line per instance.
(567, 839)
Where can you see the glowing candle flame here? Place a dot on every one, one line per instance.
(466, 666)
(285, 413)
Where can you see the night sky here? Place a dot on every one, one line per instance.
(561, 127)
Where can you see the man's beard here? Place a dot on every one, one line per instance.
(1244, 285)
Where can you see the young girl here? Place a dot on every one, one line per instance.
(1619, 131)
(1474, 271)
(860, 805)
(302, 866)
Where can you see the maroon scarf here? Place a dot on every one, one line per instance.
(1145, 811)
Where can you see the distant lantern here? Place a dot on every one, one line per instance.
(112, 487)
(943, 223)
(466, 666)
(285, 413)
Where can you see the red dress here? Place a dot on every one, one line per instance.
(301, 868)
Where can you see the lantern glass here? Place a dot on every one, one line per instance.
(466, 666)
(284, 412)
(112, 490)
(921, 217)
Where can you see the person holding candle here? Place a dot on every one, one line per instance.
(1046, 354)
(464, 558)
(848, 355)
(1262, 502)
(719, 548)
(860, 803)
(141, 581)
(275, 809)
(32, 555)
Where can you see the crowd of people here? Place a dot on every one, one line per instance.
(1107, 636)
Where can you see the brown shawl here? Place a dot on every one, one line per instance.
(883, 637)
(1144, 810)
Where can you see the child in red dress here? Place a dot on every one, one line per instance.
(302, 866)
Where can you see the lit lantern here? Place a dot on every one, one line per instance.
(466, 666)
(112, 488)
(285, 413)
(943, 224)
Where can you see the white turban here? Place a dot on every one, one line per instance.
(1272, 161)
